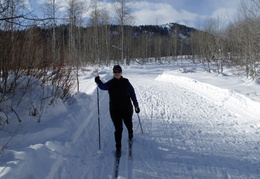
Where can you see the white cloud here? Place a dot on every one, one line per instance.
(63, 3)
(161, 13)
(183, 12)
(224, 13)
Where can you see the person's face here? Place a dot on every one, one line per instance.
(117, 74)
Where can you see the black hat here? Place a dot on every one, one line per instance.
(117, 68)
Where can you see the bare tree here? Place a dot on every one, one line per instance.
(105, 20)
(10, 13)
(248, 33)
(75, 9)
(100, 19)
(123, 17)
(216, 43)
(51, 9)
(95, 22)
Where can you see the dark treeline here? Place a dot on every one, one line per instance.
(34, 46)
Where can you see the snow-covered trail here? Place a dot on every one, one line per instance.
(188, 136)
(191, 130)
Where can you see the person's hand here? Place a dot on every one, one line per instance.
(137, 109)
(97, 79)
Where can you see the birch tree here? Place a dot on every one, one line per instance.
(51, 10)
(75, 9)
(249, 33)
(123, 17)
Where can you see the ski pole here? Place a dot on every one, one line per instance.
(99, 146)
(99, 136)
(140, 123)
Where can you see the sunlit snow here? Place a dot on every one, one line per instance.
(196, 125)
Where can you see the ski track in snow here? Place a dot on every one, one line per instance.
(186, 135)
(195, 137)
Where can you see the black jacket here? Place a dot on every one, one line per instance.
(121, 92)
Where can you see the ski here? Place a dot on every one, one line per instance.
(117, 164)
(130, 142)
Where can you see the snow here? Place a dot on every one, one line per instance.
(196, 125)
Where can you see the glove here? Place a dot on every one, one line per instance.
(97, 79)
(137, 109)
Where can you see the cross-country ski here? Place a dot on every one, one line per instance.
(117, 162)
(130, 143)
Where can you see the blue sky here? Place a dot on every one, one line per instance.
(192, 13)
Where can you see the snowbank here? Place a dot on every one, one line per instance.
(231, 100)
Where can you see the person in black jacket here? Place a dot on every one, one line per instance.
(121, 93)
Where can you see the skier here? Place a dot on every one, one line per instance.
(121, 92)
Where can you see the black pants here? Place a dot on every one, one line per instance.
(118, 116)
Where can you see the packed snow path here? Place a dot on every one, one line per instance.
(188, 136)
(188, 133)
